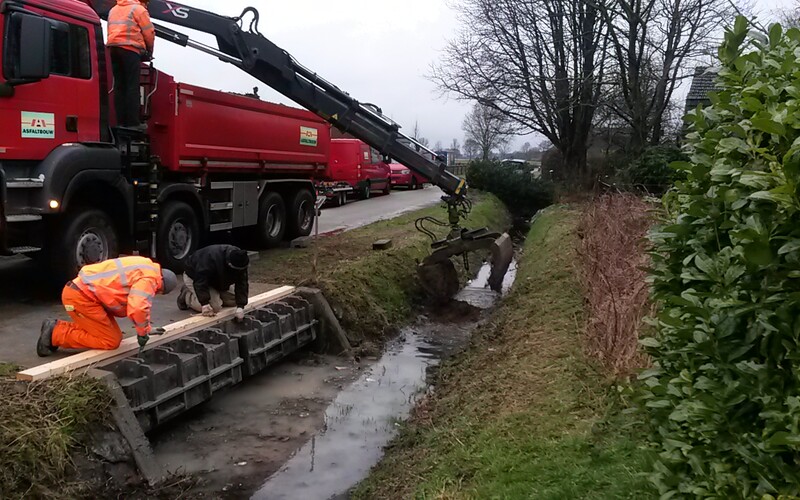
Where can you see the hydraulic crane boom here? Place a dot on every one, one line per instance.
(270, 64)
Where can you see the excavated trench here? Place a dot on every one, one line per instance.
(362, 419)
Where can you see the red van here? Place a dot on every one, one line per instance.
(362, 167)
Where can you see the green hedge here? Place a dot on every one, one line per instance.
(723, 399)
(651, 171)
(515, 185)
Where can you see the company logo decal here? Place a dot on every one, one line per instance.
(38, 125)
(308, 136)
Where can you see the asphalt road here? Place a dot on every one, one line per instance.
(25, 299)
(361, 213)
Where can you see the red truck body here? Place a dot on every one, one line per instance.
(211, 131)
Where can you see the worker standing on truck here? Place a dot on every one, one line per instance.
(209, 274)
(131, 36)
(101, 293)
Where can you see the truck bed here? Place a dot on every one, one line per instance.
(198, 130)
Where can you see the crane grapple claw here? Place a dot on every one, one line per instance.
(437, 272)
(502, 251)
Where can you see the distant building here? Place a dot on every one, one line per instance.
(703, 82)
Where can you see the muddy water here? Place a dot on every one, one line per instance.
(365, 415)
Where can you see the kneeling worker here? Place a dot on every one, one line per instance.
(101, 293)
(209, 274)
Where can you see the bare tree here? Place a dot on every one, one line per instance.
(437, 146)
(538, 62)
(488, 128)
(471, 148)
(455, 147)
(417, 135)
(416, 132)
(651, 41)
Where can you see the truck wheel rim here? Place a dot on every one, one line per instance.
(274, 223)
(179, 239)
(92, 247)
(304, 214)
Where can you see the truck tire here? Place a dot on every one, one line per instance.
(86, 236)
(388, 188)
(271, 220)
(366, 191)
(301, 214)
(413, 184)
(178, 235)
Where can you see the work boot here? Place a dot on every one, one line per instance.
(45, 347)
(182, 305)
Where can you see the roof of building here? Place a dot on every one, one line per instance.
(703, 82)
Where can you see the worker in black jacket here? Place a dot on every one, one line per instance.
(209, 274)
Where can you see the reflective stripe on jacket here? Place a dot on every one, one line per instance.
(129, 26)
(125, 287)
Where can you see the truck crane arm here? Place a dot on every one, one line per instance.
(255, 54)
(270, 64)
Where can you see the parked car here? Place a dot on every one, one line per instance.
(362, 167)
(403, 176)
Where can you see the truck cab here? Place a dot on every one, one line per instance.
(55, 149)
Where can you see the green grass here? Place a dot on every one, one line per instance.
(7, 369)
(374, 290)
(41, 425)
(521, 414)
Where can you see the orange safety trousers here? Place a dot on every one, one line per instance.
(93, 327)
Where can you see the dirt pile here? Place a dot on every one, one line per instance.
(613, 258)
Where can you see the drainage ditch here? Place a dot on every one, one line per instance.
(362, 419)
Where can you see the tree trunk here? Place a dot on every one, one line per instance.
(575, 172)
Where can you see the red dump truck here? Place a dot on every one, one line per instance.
(75, 190)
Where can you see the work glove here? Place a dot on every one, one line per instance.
(208, 311)
(158, 331)
(143, 340)
(239, 314)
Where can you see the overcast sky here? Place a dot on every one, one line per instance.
(377, 50)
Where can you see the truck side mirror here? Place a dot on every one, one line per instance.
(35, 48)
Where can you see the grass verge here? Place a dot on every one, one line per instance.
(41, 425)
(522, 413)
(372, 290)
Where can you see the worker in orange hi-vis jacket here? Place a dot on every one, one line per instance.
(101, 293)
(131, 37)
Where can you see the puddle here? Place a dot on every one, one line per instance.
(365, 416)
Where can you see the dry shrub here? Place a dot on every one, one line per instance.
(613, 251)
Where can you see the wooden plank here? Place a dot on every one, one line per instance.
(130, 345)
